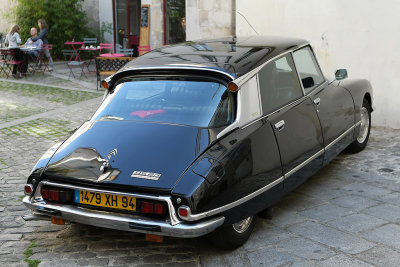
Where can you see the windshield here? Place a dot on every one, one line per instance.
(189, 102)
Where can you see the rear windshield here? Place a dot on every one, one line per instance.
(189, 102)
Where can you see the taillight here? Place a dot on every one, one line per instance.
(152, 207)
(55, 194)
(28, 189)
(183, 211)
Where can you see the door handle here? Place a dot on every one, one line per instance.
(280, 125)
(317, 101)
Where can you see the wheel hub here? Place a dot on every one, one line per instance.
(364, 126)
(242, 225)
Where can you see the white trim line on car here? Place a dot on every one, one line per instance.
(198, 216)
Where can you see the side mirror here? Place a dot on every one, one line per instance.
(341, 74)
(308, 82)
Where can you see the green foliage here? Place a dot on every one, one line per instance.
(106, 27)
(65, 18)
(28, 254)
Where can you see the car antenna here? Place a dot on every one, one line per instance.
(247, 21)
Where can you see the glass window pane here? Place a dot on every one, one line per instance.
(279, 84)
(188, 102)
(308, 69)
(175, 21)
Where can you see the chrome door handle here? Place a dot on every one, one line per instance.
(317, 101)
(280, 125)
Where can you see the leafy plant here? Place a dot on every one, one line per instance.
(66, 20)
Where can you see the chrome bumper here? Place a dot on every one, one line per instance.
(121, 222)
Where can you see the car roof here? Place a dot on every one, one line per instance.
(235, 56)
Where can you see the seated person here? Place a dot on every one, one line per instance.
(34, 54)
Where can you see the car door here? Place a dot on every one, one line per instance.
(334, 104)
(293, 118)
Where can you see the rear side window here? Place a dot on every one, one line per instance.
(189, 102)
(308, 68)
(279, 84)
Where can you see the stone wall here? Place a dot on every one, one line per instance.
(209, 19)
(362, 37)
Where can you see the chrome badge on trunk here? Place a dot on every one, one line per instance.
(146, 175)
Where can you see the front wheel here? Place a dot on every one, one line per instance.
(234, 235)
(361, 142)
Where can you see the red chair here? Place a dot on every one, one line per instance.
(103, 47)
(10, 60)
(143, 49)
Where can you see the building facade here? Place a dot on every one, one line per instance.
(154, 23)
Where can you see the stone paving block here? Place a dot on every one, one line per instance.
(381, 256)
(343, 261)
(325, 212)
(125, 260)
(58, 263)
(297, 202)
(181, 264)
(305, 249)
(393, 198)
(264, 235)
(283, 217)
(223, 258)
(330, 237)
(320, 190)
(269, 256)
(388, 234)
(387, 212)
(10, 237)
(366, 190)
(355, 223)
(352, 202)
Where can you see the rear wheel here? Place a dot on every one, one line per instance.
(361, 142)
(234, 235)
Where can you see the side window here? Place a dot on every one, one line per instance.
(279, 84)
(308, 69)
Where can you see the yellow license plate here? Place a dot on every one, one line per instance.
(105, 200)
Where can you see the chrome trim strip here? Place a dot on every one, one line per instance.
(298, 167)
(342, 135)
(174, 219)
(115, 221)
(199, 216)
(289, 173)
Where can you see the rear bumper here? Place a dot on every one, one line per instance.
(121, 222)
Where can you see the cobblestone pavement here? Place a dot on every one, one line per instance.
(348, 214)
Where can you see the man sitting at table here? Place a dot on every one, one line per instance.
(35, 52)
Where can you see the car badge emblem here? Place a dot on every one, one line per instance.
(146, 175)
(104, 167)
(113, 152)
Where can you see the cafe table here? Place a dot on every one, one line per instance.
(75, 46)
(90, 49)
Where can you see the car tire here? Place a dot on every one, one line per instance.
(361, 141)
(234, 235)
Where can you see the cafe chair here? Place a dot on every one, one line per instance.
(126, 52)
(90, 41)
(10, 61)
(72, 61)
(104, 46)
(42, 60)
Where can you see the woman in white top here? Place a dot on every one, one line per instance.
(13, 41)
(13, 38)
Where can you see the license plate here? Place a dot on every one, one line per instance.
(105, 200)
